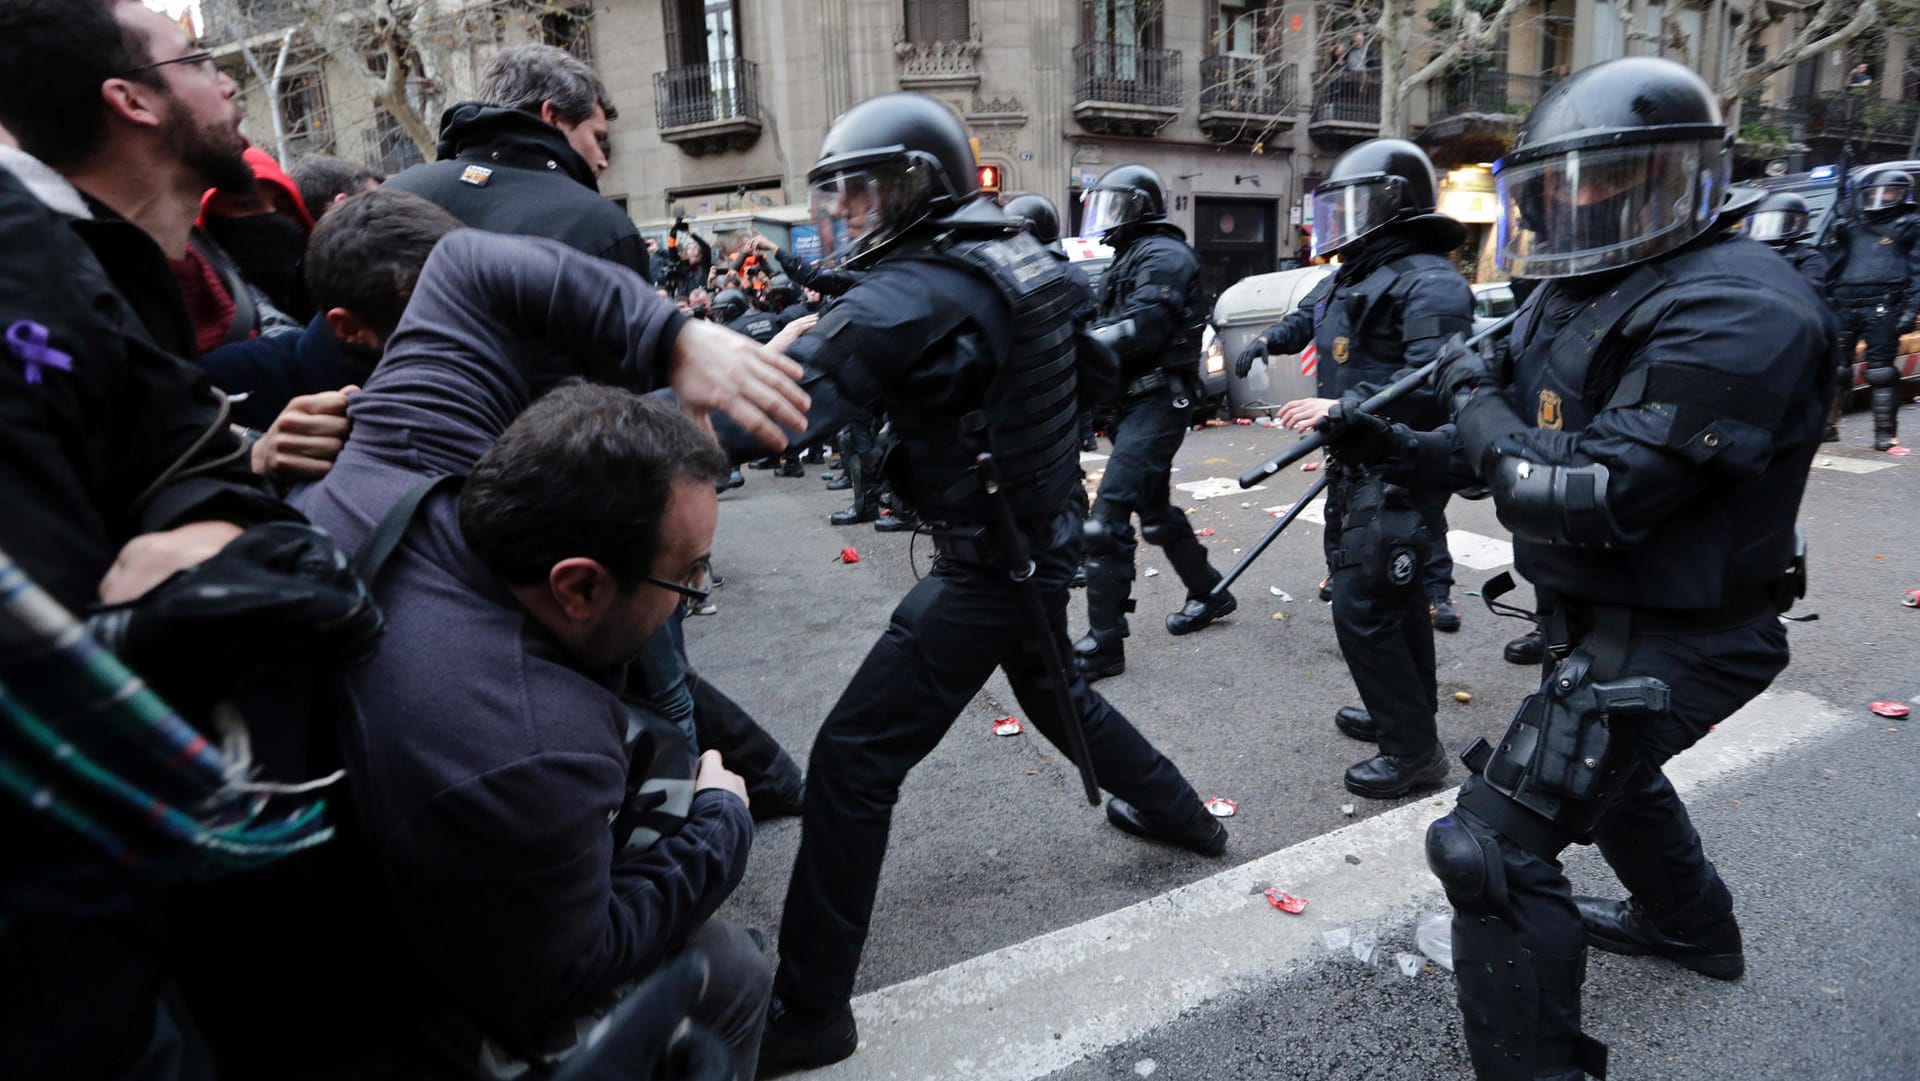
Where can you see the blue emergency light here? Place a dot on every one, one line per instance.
(1823, 172)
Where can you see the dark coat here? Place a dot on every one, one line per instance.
(506, 171)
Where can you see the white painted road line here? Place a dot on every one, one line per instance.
(1089, 459)
(1851, 465)
(1480, 553)
(1038, 1006)
(1214, 487)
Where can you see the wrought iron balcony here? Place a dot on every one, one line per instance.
(1246, 98)
(1842, 115)
(1471, 114)
(1346, 109)
(712, 107)
(1123, 89)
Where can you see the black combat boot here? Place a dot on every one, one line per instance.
(899, 520)
(1200, 611)
(862, 510)
(839, 482)
(790, 467)
(1709, 945)
(1097, 658)
(1530, 648)
(1200, 832)
(796, 1041)
(1356, 723)
(734, 480)
(1390, 776)
(1445, 616)
(764, 463)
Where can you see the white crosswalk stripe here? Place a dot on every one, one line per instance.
(1038, 1006)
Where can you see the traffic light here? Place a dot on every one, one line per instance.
(990, 179)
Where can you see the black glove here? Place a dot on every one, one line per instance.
(279, 595)
(1254, 350)
(1357, 437)
(1462, 370)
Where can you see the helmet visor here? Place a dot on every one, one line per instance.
(1105, 209)
(1344, 214)
(1776, 226)
(1588, 211)
(857, 211)
(1884, 195)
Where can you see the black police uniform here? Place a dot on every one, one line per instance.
(1876, 287)
(1809, 262)
(1154, 282)
(1648, 452)
(966, 345)
(758, 325)
(1390, 305)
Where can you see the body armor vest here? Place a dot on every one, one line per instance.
(760, 326)
(1358, 333)
(1182, 355)
(1029, 418)
(1705, 555)
(1875, 255)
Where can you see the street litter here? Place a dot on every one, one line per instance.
(1462, 697)
(1007, 726)
(1280, 593)
(848, 555)
(1347, 809)
(1433, 934)
(1893, 710)
(1337, 939)
(1152, 572)
(1409, 963)
(1911, 599)
(1310, 467)
(1286, 902)
(1279, 617)
(1899, 452)
(1203, 532)
(1222, 807)
(1365, 947)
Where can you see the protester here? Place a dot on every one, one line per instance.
(325, 182)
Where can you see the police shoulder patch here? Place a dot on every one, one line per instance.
(477, 175)
(1550, 416)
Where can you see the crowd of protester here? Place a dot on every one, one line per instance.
(360, 516)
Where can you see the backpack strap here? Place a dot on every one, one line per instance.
(373, 555)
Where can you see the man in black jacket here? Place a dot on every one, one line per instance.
(527, 156)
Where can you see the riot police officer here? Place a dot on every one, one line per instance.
(1648, 449)
(758, 323)
(1876, 289)
(1394, 300)
(1151, 311)
(1781, 222)
(958, 329)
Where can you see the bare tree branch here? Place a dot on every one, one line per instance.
(1823, 31)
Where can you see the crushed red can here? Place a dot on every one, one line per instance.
(1203, 532)
(1894, 710)
(1286, 902)
(1007, 726)
(1222, 807)
(848, 555)
(1310, 467)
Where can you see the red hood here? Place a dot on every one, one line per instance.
(286, 198)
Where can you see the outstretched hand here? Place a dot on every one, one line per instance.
(712, 367)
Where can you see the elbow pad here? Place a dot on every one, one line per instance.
(1553, 504)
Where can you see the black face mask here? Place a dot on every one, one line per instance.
(268, 249)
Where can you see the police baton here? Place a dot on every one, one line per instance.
(1273, 534)
(1020, 567)
(1393, 392)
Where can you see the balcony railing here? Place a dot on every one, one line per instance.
(1484, 90)
(1245, 84)
(1348, 98)
(704, 93)
(1109, 71)
(1835, 116)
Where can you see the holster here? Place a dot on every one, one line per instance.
(973, 545)
(1384, 535)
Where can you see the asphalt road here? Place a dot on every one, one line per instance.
(993, 845)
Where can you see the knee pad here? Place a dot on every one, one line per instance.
(1466, 859)
(1166, 530)
(1882, 375)
(1105, 536)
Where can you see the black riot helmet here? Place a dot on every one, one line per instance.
(1620, 163)
(1124, 198)
(887, 165)
(1043, 221)
(1780, 219)
(729, 304)
(1887, 193)
(1372, 186)
(781, 292)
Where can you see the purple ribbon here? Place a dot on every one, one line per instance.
(28, 341)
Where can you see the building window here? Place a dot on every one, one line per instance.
(303, 111)
(568, 30)
(392, 149)
(938, 20)
(1121, 22)
(701, 31)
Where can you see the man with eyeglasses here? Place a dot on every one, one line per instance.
(143, 133)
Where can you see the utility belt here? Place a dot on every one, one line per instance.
(1867, 296)
(976, 545)
(1148, 383)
